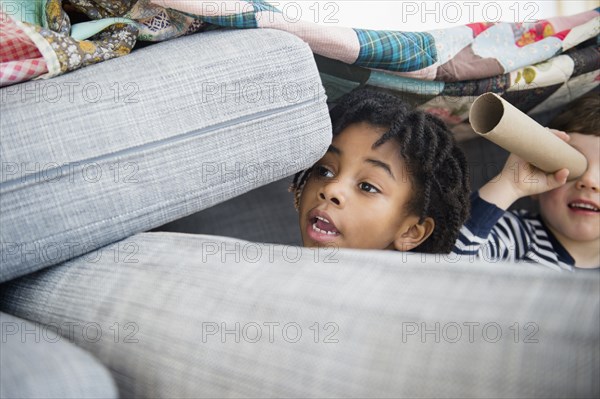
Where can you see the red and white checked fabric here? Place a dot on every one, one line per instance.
(20, 59)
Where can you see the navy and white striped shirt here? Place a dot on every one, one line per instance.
(493, 234)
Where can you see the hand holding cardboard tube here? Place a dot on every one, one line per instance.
(500, 122)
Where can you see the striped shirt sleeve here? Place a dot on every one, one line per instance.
(492, 233)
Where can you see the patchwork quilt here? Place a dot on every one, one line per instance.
(537, 66)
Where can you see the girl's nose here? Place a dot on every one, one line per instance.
(332, 192)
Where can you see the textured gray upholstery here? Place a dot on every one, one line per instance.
(36, 362)
(502, 330)
(102, 153)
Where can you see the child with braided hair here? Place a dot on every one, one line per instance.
(392, 178)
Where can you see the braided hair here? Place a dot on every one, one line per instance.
(437, 168)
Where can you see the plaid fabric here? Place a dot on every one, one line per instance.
(245, 20)
(395, 51)
(20, 59)
(262, 5)
(21, 71)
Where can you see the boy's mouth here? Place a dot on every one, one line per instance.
(584, 206)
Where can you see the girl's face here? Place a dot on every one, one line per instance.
(355, 196)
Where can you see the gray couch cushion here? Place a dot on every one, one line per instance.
(202, 316)
(99, 154)
(36, 362)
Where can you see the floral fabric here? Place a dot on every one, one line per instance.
(28, 49)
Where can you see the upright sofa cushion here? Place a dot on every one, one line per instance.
(94, 156)
(203, 316)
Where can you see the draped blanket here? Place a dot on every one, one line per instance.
(536, 66)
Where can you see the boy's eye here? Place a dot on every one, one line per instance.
(368, 188)
(323, 171)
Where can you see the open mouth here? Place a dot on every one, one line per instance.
(323, 226)
(584, 206)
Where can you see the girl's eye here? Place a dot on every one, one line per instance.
(323, 171)
(368, 188)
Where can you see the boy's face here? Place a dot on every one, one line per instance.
(356, 195)
(573, 210)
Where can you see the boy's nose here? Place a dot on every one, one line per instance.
(589, 180)
(332, 193)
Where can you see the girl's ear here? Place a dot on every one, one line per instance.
(413, 234)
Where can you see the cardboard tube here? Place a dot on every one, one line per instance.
(500, 122)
